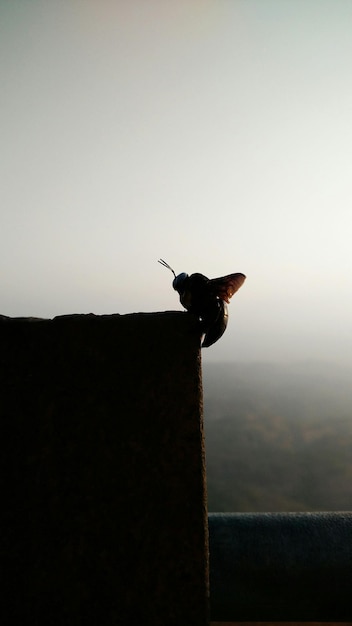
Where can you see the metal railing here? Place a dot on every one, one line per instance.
(280, 566)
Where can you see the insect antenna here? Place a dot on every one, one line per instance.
(162, 262)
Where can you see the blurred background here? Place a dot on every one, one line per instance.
(216, 134)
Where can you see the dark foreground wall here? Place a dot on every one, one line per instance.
(103, 467)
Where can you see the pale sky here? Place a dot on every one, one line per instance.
(216, 134)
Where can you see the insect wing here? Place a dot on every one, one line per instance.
(226, 286)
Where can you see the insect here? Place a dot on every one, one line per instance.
(208, 299)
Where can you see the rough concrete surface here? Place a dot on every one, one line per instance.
(103, 466)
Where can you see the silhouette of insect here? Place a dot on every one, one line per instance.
(208, 299)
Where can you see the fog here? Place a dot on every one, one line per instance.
(278, 436)
(214, 134)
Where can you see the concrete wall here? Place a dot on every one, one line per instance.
(103, 467)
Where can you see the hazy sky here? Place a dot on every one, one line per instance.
(216, 134)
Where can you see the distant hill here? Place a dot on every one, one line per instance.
(278, 437)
